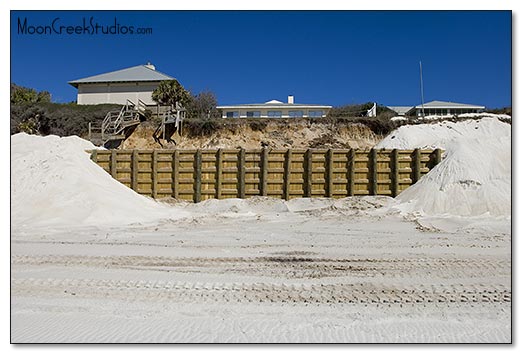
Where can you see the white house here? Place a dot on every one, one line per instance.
(275, 109)
(137, 82)
(439, 108)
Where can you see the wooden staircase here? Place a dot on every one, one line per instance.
(171, 120)
(117, 126)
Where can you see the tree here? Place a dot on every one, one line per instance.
(355, 110)
(170, 92)
(23, 95)
(203, 106)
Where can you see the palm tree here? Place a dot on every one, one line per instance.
(170, 92)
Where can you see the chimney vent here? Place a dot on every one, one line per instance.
(291, 99)
(150, 66)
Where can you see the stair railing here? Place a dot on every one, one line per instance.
(120, 118)
(106, 124)
(141, 106)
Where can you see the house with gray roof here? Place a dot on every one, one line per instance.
(134, 83)
(437, 108)
(275, 109)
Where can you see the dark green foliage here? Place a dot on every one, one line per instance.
(201, 127)
(170, 92)
(355, 110)
(24, 95)
(503, 110)
(58, 119)
(379, 125)
(202, 106)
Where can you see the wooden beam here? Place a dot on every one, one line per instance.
(94, 155)
(329, 173)
(373, 172)
(308, 164)
(114, 164)
(175, 175)
(438, 156)
(264, 172)
(154, 174)
(241, 172)
(197, 179)
(134, 170)
(219, 173)
(417, 165)
(394, 172)
(351, 172)
(287, 174)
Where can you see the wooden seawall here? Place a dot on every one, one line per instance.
(198, 175)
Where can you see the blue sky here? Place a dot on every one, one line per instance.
(322, 57)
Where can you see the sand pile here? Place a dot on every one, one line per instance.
(474, 177)
(54, 182)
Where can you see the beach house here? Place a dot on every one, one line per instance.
(275, 109)
(134, 83)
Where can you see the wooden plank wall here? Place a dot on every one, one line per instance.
(198, 175)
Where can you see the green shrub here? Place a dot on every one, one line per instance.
(58, 119)
(200, 127)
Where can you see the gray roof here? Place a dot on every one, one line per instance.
(443, 104)
(401, 110)
(273, 104)
(132, 74)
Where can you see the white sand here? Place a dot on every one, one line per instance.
(474, 178)
(55, 183)
(321, 274)
(258, 270)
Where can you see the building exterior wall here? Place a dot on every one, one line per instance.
(446, 111)
(309, 112)
(117, 93)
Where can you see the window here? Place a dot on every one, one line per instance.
(274, 114)
(253, 114)
(315, 113)
(295, 114)
(233, 114)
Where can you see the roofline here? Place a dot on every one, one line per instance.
(264, 106)
(162, 73)
(75, 84)
(460, 105)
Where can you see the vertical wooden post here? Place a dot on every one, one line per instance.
(308, 167)
(417, 164)
(287, 174)
(264, 171)
(438, 156)
(219, 172)
(373, 172)
(114, 164)
(351, 172)
(197, 179)
(394, 173)
(329, 172)
(175, 175)
(242, 172)
(134, 170)
(90, 131)
(154, 175)
(94, 155)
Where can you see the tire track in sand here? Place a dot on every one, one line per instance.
(284, 266)
(261, 292)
